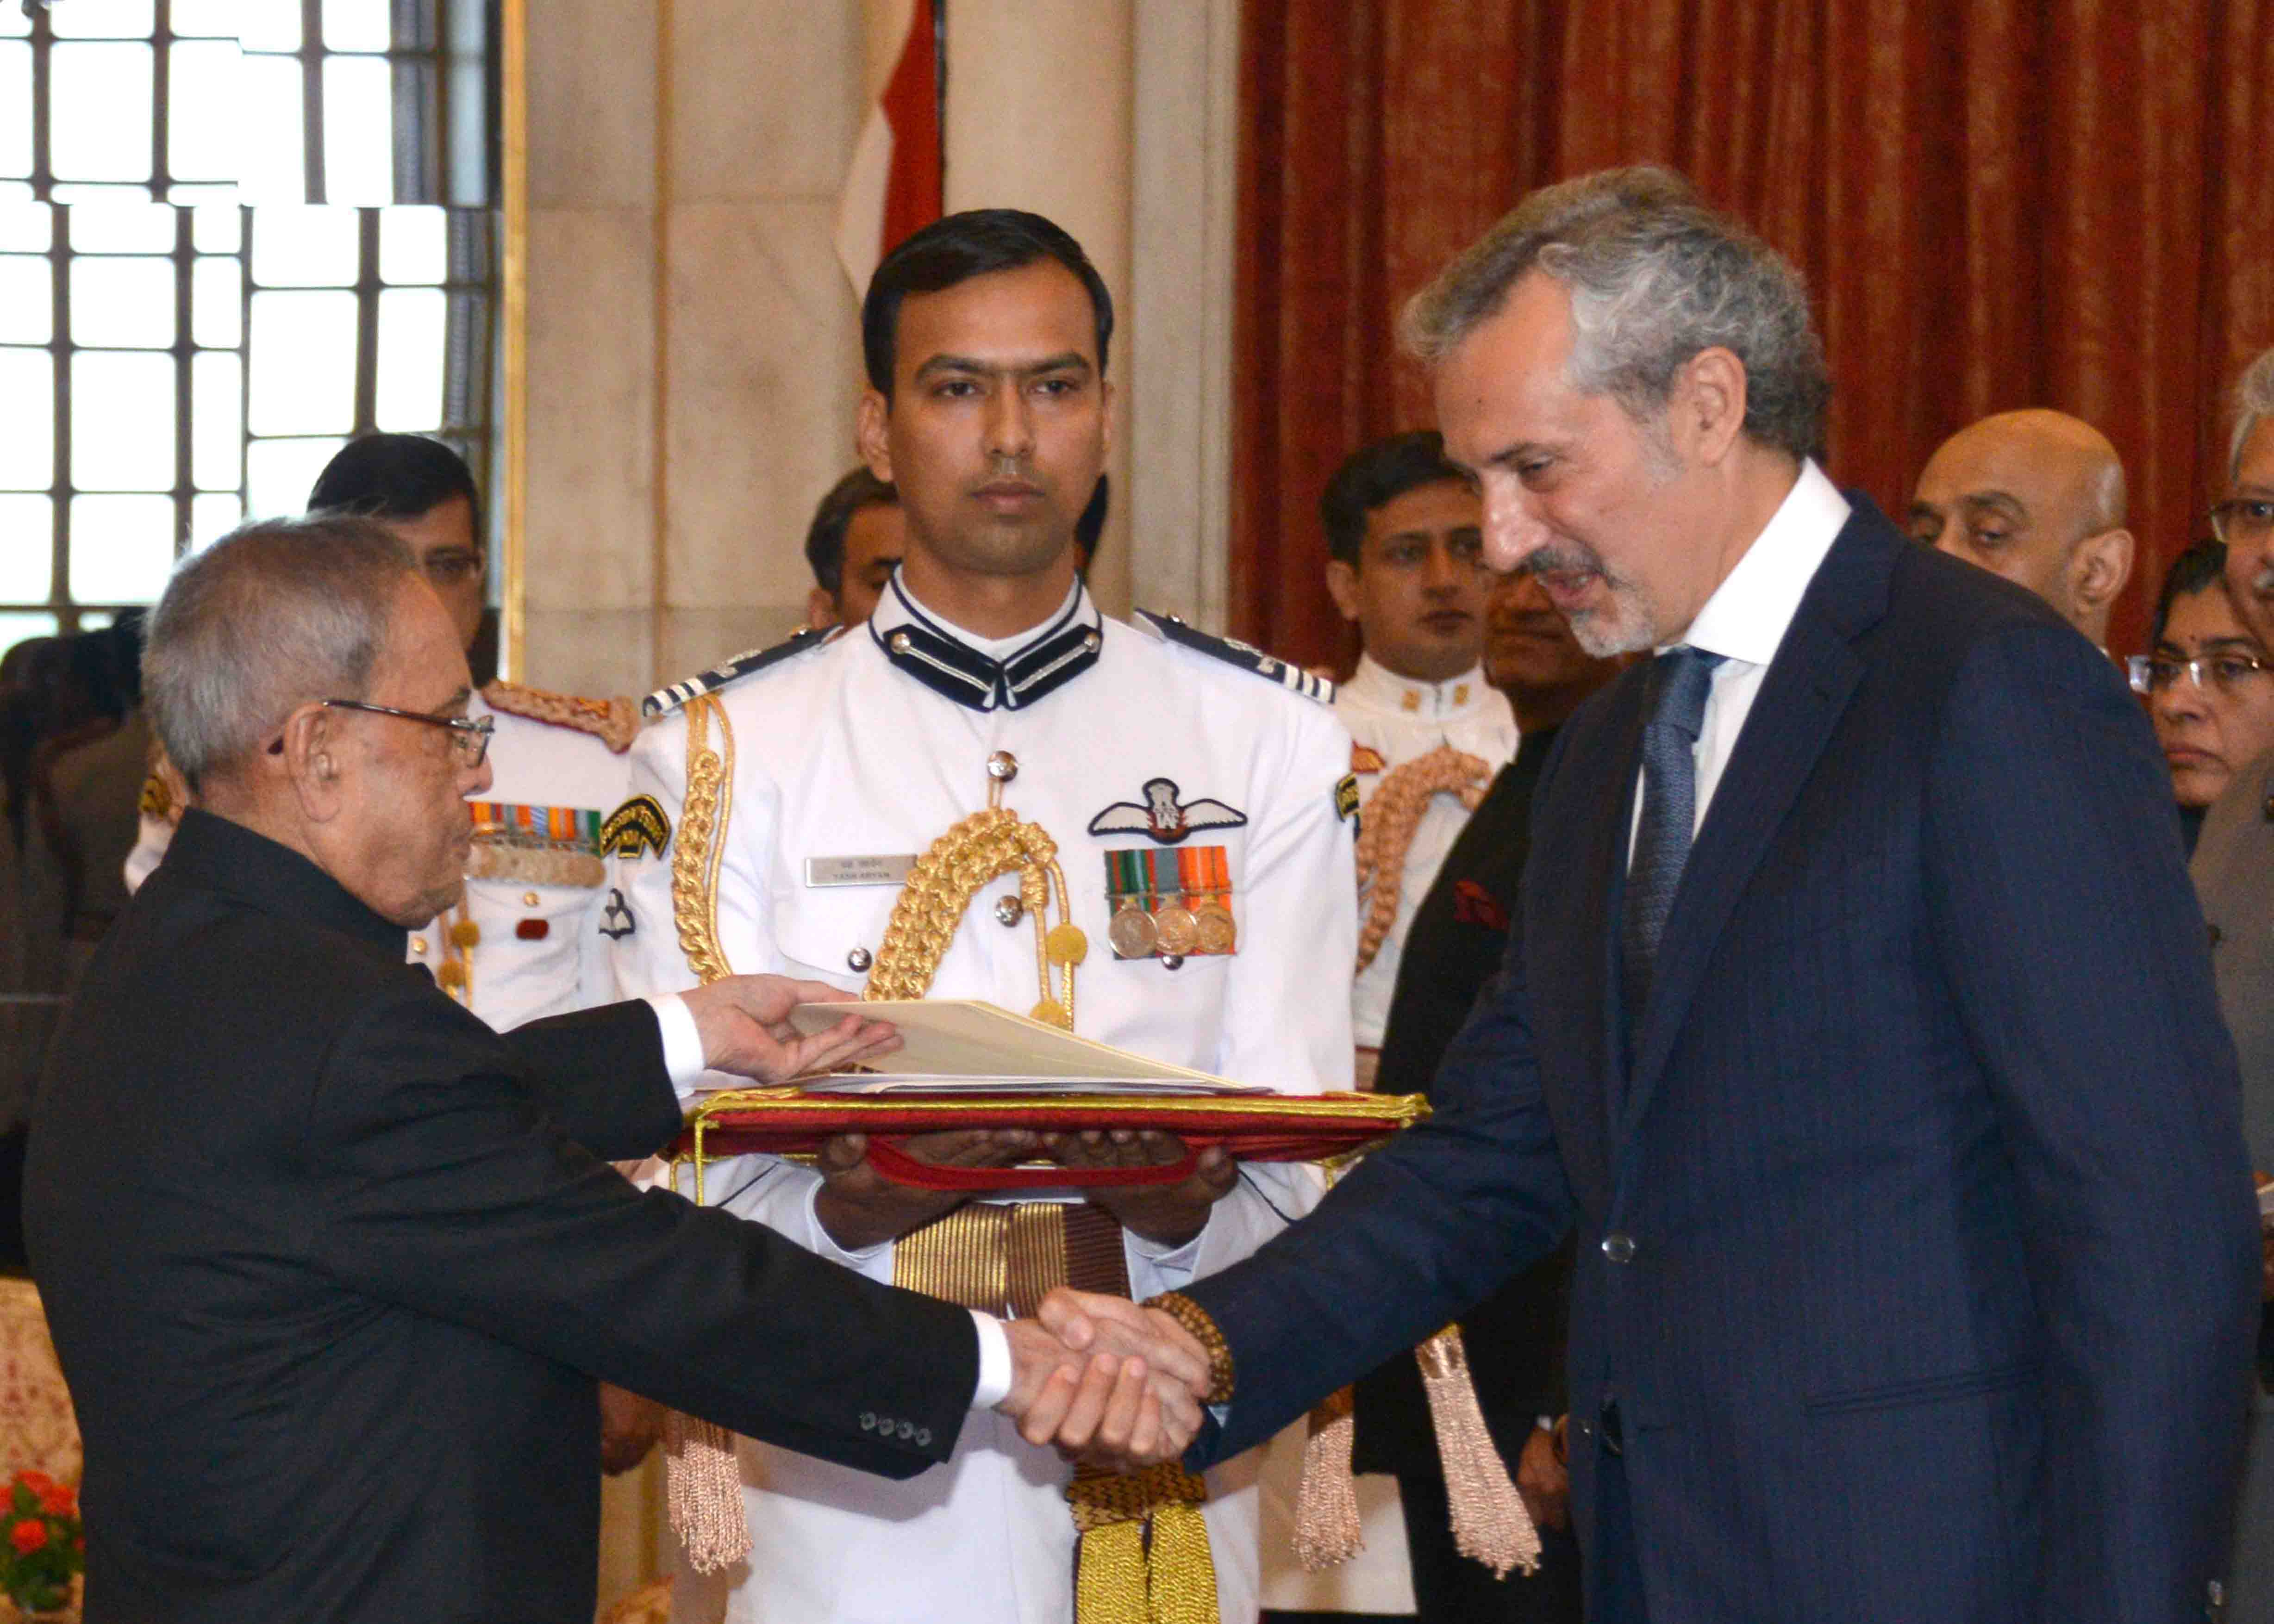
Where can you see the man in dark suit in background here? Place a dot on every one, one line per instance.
(1515, 1337)
(330, 1265)
(1857, 1014)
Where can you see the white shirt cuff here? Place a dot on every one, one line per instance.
(683, 1045)
(994, 1361)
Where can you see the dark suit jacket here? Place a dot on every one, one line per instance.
(331, 1267)
(1513, 1337)
(1938, 1252)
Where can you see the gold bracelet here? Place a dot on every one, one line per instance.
(1195, 1321)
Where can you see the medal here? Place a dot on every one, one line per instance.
(1175, 929)
(1204, 874)
(1131, 930)
(1213, 920)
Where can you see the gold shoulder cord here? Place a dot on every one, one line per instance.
(702, 819)
(983, 847)
(703, 1477)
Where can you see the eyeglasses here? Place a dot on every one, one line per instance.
(469, 735)
(2242, 521)
(2227, 673)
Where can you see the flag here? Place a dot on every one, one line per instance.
(893, 186)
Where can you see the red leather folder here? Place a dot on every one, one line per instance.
(792, 1122)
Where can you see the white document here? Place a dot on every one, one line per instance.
(965, 1046)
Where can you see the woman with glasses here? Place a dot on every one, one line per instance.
(2208, 683)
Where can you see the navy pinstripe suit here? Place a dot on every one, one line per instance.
(1920, 1264)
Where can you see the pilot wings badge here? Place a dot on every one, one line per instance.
(1164, 817)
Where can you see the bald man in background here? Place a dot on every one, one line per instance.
(2039, 498)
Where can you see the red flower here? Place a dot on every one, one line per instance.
(38, 1482)
(57, 1500)
(30, 1535)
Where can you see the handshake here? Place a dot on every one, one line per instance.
(1111, 1383)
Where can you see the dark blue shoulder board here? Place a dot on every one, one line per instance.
(741, 665)
(1232, 651)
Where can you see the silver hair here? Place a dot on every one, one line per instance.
(1655, 276)
(2253, 404)
(269, 617)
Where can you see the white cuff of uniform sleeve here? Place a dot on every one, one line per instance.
(683, 1045)
(994, 1361)
(1155, 1267)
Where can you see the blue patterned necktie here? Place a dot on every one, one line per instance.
(1675, 708)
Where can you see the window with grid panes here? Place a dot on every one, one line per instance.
(223, 252)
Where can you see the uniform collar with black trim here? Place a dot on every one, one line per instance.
(1008, 673)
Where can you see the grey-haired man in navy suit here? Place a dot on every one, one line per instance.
(1856, 1015)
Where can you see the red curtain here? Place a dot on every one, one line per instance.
(1996, 203)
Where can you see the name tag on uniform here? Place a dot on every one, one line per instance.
(889, 869)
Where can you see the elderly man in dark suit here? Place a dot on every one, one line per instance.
(331, 1265)
(1857, 1013)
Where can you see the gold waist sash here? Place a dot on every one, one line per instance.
(1143, 1555)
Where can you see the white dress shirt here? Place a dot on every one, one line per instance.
(1746, 619)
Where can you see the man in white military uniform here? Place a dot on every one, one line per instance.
(529, 937)
(1405, 545)
(1194, 799)
(1405, 541)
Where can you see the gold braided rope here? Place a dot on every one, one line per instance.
(937, 893)
(703, 1488)
(694, 860)
(1392, 817)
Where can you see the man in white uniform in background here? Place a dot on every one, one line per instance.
(1194, 795)
(1406, 566)
(529, 938)
(1429, 733)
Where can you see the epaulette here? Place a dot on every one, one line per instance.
(1232, 651)
(741, 665)
(613, 722)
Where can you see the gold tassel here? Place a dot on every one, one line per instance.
(1108, 1575)
(1327, 1530)
(703, 1486)
(1118, 1578)
(1490, 1523)
(1181, 1570)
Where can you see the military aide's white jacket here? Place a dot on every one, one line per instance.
(839, 753)
(540, 947)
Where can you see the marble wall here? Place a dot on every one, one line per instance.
(693, 355)
(693, 361)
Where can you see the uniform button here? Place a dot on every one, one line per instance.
(1090, 642)
(867, 1420)
(900, 641)
(923, 1437)
(907, 1431)
(1010, 910)
(419, 946)
(1619, 1248)
(858, 959)
(1002, 766)
(1172, 961)
(528, 899)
